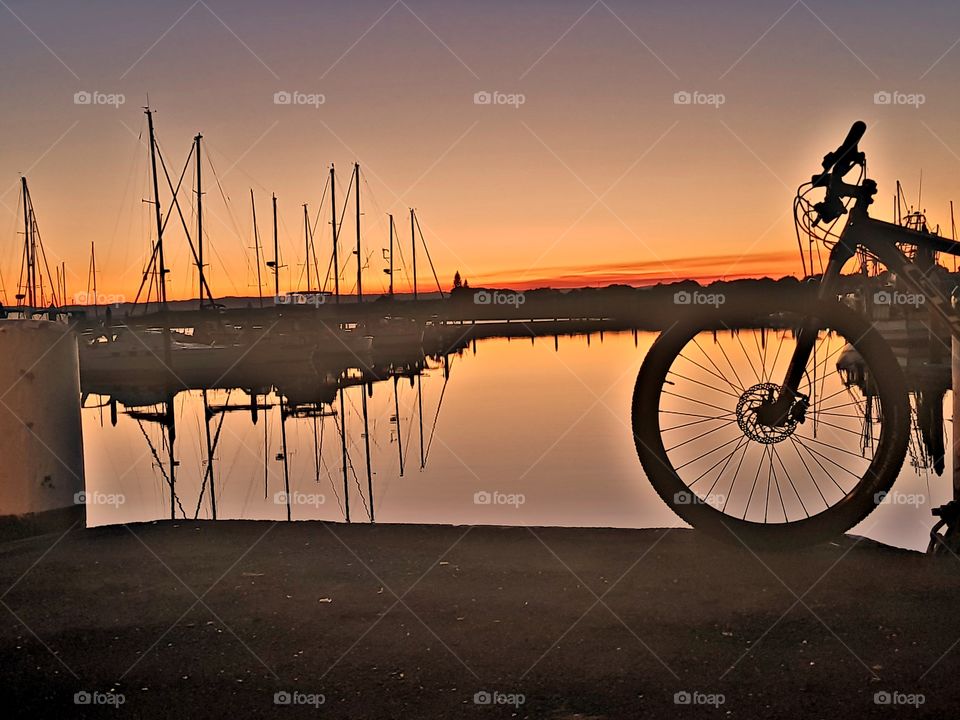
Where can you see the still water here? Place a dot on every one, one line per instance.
(515, 432)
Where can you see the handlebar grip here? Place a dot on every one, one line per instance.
(847, 147)
(853, 137)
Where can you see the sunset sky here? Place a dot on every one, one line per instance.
(597, 177)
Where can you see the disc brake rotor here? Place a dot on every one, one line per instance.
(754, 398)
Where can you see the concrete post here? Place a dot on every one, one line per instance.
(41, 445)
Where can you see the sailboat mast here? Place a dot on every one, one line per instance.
(256, 246)
(33, 252)
(356, 171)
(209, 474)
(366, 445)
(92, 280)
(156, 204)
(197, 139)
(28, 245)
(333, 225)
(306, 243)
(423, 461)
(391, 256)
(276, 253)
(396, 412)
(413, 243)
(171, 423)
(343, 454)
(286, 466)
(953, 233)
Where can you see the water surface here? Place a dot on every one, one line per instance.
(527, 433)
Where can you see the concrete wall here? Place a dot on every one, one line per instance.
(41, 445)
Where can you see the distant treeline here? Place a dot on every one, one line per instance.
(651, 307)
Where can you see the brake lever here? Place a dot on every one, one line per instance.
(829, 209)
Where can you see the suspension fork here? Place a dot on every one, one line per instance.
(780, 411)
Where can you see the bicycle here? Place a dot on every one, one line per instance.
(763, 450)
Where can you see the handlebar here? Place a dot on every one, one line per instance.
(836, 164)
(846, 156)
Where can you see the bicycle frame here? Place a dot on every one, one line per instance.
(879, 238)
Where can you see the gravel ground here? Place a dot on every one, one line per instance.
(204, 619)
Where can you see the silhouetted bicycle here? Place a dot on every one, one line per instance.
(786, 424)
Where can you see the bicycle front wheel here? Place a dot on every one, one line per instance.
(700, 431)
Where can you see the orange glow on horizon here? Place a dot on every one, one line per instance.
(703, 270)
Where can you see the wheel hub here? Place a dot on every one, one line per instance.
(754, 407)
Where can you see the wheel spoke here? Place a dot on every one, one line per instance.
(816, 485)
(709, 452)
(721, 460)
(703, 384)
(715, 374)
(840, 439)
(700, 402)
(692, 422)
(740, 384)
(699, 437)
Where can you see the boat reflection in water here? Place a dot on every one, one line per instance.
(308, 375)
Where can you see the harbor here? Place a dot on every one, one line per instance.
(557, 361)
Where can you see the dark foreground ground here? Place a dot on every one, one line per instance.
(212, 620)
